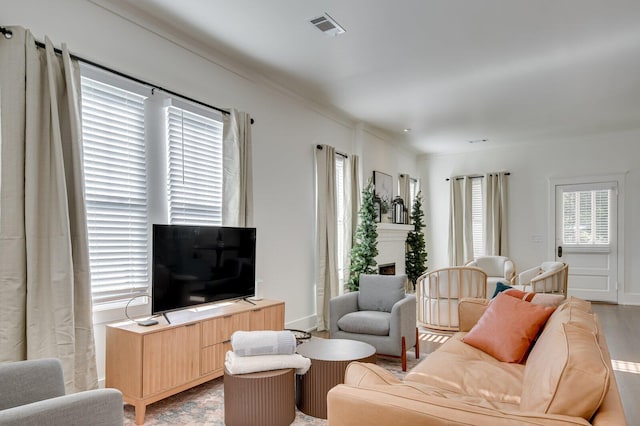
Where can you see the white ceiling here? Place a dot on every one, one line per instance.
(451, 70)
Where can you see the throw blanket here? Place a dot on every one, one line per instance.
(249, 343)
(251, 364)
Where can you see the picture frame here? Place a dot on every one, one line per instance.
(383, 188)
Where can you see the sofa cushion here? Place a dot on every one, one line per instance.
(507, 328)
(366, 322)
(575, 314)
(460, 368)
(565, 373)
(380, 292)
(583, 305)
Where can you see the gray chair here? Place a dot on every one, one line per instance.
(32, 393)
(380, 314)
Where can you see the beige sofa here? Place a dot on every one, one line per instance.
(565, 381)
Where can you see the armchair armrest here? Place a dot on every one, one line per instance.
(525, 277)
(102, 407)
(470, 310)
(340, 306)
(509, 270)
(403, 317)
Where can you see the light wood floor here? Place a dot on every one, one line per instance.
(621, 326)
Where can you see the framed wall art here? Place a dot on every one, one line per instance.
(383, 188)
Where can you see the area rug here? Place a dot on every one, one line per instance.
(204, 404)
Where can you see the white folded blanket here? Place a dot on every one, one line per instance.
(251, 364)
(249, 343)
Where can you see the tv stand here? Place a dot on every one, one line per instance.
(164, 314)
(148, 364)
(246, 299)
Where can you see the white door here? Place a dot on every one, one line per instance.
(586, 238)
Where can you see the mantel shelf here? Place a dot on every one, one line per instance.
(394, 227)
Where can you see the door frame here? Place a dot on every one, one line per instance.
(576, 180)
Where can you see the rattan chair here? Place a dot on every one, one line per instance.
(549, 277)
(438, 293)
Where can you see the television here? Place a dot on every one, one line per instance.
(193, 265)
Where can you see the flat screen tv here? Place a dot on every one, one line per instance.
(194, 265)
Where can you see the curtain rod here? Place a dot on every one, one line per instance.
(339, 153)
(476, 176)
(9, 34)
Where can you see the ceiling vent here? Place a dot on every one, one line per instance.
(327, 25)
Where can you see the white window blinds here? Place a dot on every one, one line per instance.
(585, 218)
(194, 168)
(115, 191)
(477, 217)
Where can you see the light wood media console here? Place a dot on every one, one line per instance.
(148, 364)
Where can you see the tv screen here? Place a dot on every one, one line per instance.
(201, 264)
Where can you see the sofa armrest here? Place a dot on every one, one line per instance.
(340, 306)
(100, 407)
(470, 310)
(23, 382)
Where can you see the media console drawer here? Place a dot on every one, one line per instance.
(148, 364)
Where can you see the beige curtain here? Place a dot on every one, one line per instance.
(495, 191)
(44, 266)
(352, 206)
(326, 228)
(237, 178)
(404, 191)
(460, 222)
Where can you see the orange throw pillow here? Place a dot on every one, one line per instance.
(507, 328)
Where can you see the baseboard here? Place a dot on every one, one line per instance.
(306, 323)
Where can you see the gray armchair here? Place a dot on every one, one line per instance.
(32, 393)
(380, 314)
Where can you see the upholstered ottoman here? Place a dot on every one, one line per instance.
(266, 398)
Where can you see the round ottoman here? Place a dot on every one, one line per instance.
(266, 398)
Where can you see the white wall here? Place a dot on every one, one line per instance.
(531, 166)
(286, 131)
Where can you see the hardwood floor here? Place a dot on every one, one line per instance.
(621, 326)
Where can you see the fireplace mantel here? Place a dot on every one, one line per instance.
(391, 244)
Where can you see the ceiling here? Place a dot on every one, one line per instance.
(452, 71)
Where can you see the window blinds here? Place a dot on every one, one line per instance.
(585, 217)
(115, 191)
(195, 168)
(477, 218)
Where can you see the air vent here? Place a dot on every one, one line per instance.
(327, 25)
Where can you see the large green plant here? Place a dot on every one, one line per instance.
(416, 255)
(365, 248)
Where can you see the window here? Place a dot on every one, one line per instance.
(477, 217)
(340, 214)
(115, 190)
(585, 219)
(174, 176)
(194, 153)
(413, 193)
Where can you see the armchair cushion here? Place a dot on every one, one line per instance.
(507, 328)
(366, 322)
(380, 292)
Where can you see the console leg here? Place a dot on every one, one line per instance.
(417, 344)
